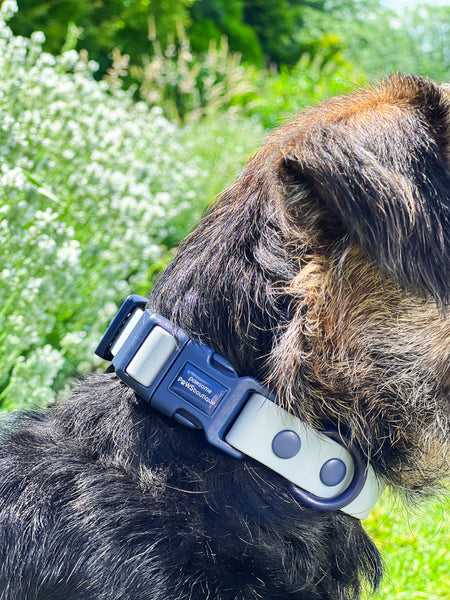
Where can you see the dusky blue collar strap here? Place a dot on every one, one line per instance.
(188, 381)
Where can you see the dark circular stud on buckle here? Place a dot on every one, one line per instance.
(349, 494)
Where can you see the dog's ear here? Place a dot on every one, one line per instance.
(379, 162)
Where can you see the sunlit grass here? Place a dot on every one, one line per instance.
(415, 545)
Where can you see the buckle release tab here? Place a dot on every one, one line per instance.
(181, 378)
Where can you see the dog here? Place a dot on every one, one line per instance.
(322, 273)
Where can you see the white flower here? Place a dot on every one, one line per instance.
(69, 253)
(91, 185)
(8, 9)
(38, 37)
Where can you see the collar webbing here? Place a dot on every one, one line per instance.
(188, 381)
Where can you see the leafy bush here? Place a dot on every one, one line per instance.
(94, 190)
(381, 40)
(263, 31)
(312, 79)
(214, 19)
(103, 24)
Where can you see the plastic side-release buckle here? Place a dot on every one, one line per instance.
(181, 378)
(128, 314)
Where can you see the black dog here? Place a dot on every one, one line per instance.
(323, 272)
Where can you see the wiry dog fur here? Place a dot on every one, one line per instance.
(324, 272)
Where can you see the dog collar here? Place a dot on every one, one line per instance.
(188, 381)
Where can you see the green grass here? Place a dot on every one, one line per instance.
(416, 548)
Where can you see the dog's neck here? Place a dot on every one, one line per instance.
(225, 285)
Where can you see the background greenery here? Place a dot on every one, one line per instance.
(415, 546)
(165, 48)
(121, 120)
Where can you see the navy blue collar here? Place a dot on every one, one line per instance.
(188, 381)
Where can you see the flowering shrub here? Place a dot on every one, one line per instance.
(93, 191)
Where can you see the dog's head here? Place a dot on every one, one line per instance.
(377, 164)
(324, 270)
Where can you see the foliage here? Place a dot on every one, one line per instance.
(263, 29)
(416, 41)
(373, 37)
(259, 29)
(103, 24)
(381, 41)
(313, 78)
(90, 200)
(214, 19)
(189, 87)
(276, 25)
